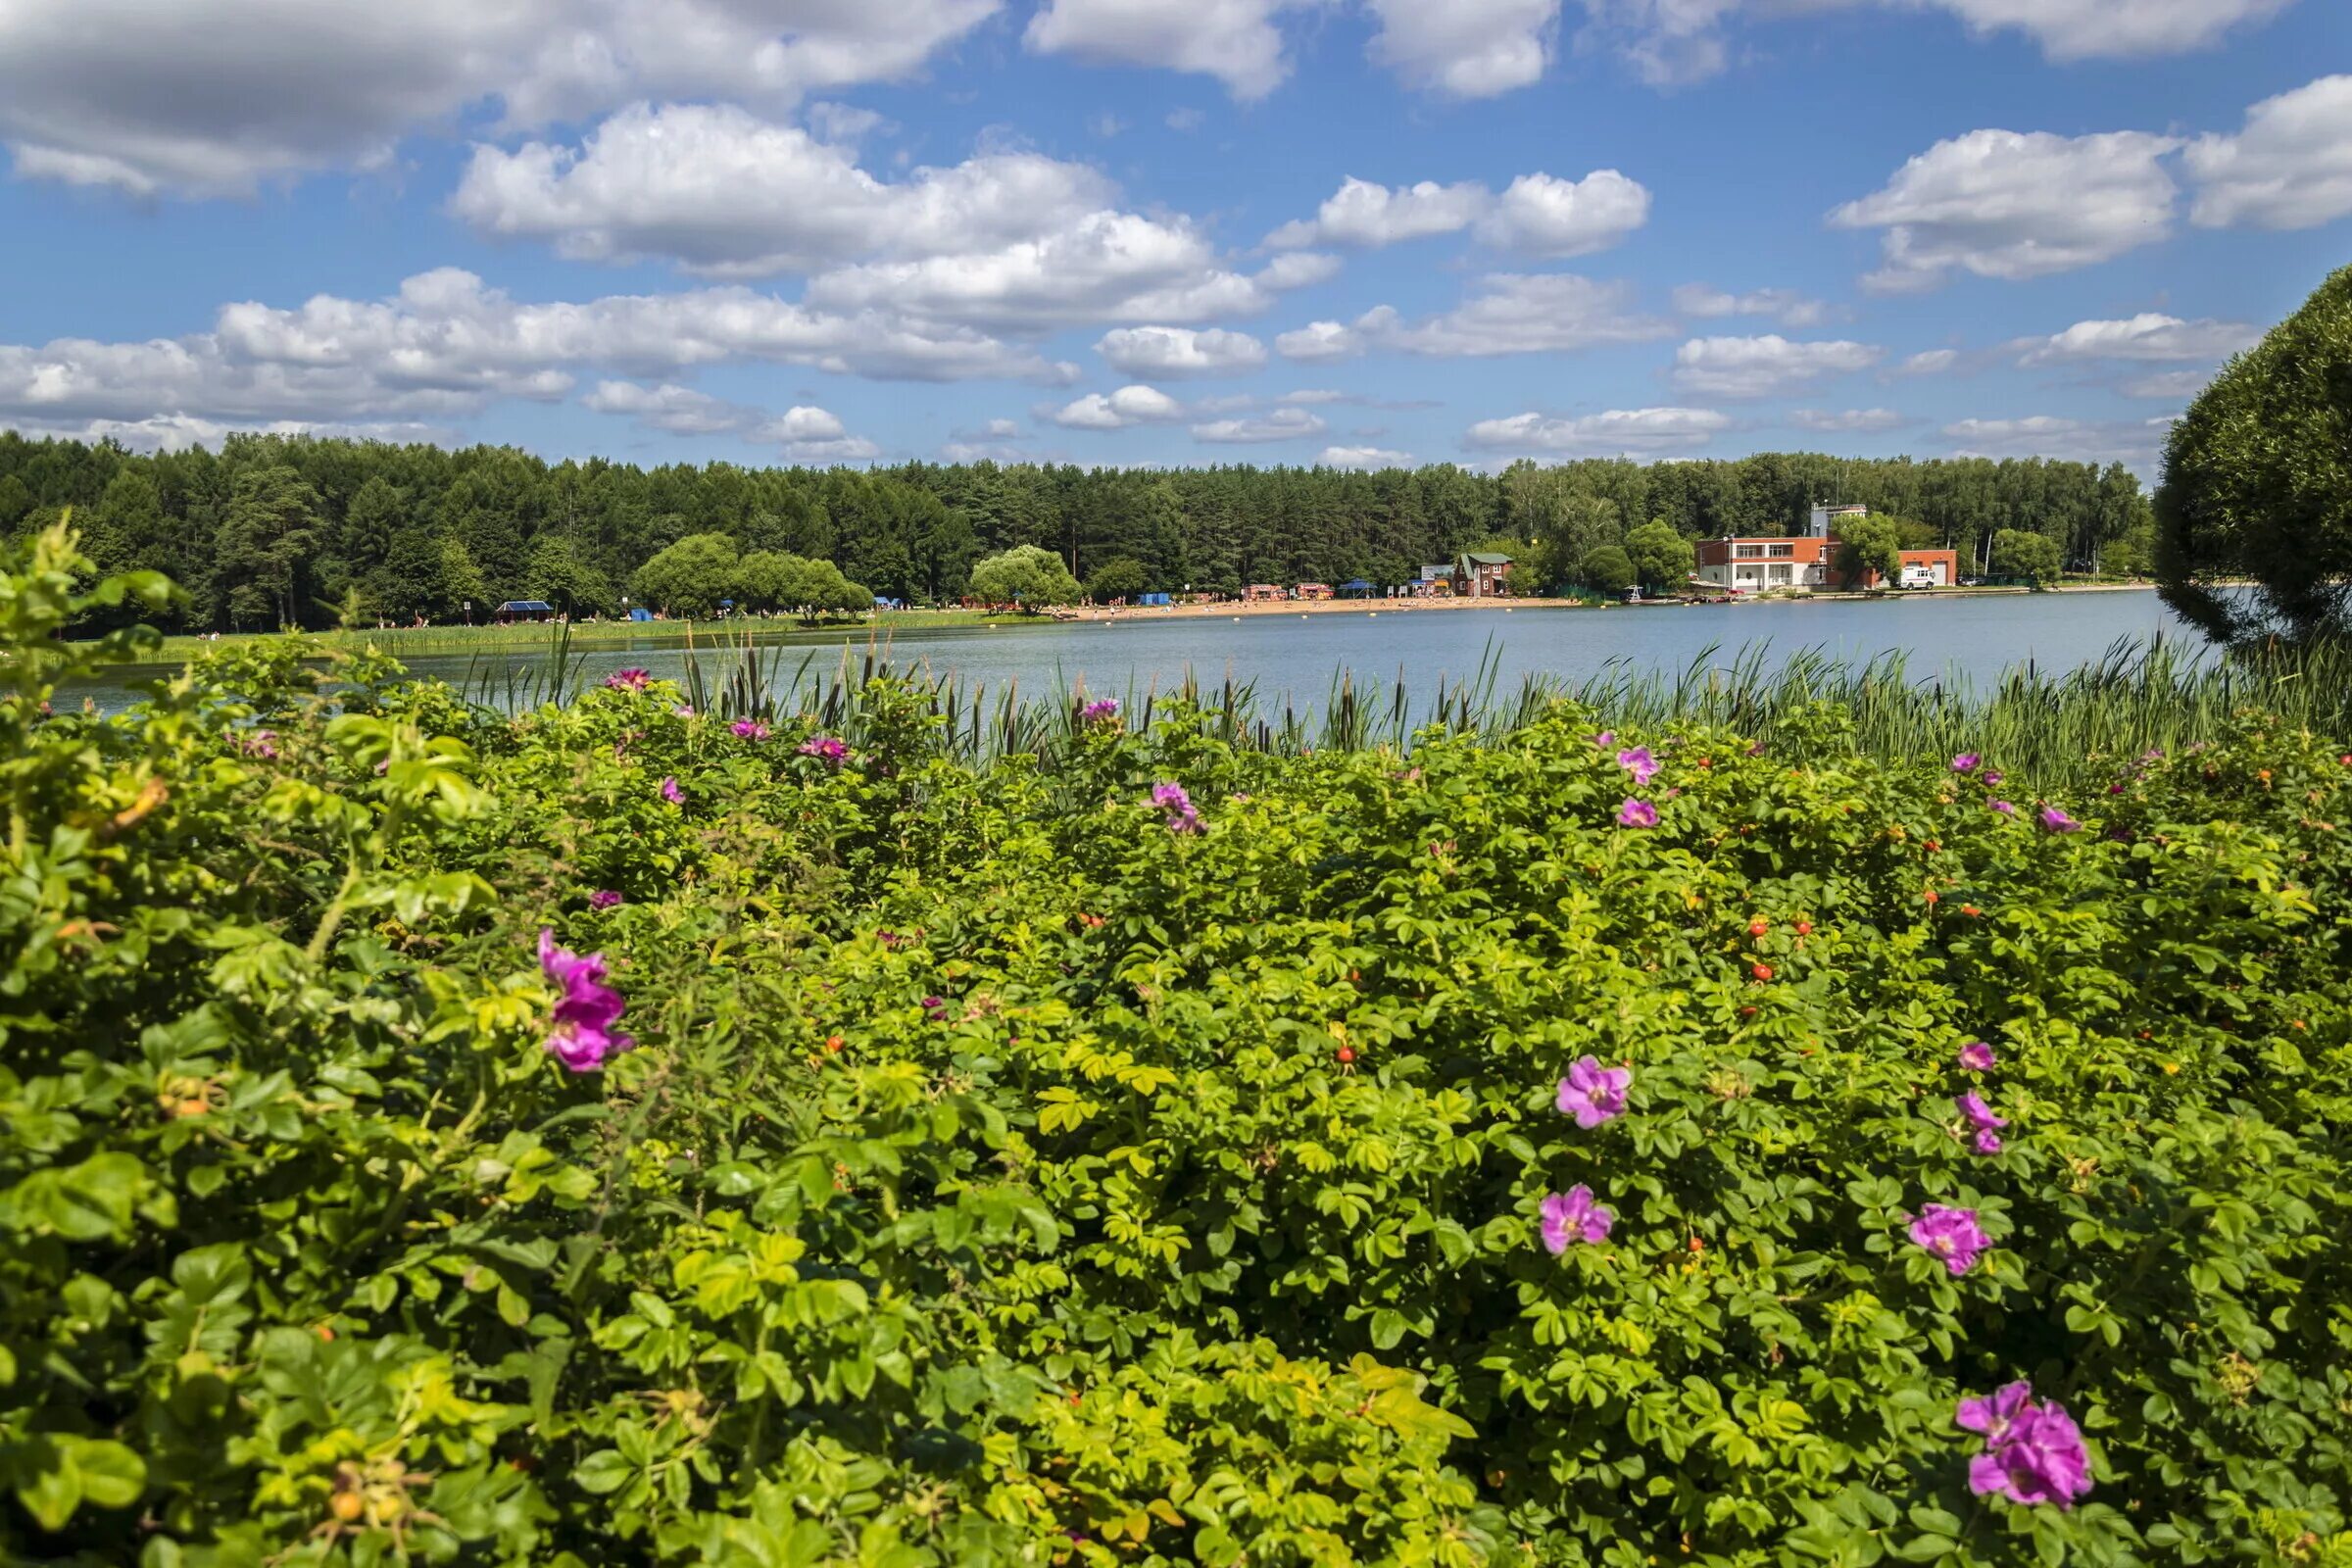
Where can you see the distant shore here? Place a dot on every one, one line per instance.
(1414, 606)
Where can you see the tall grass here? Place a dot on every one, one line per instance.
(2046, 727)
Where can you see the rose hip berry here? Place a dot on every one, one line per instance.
(1757, 928)
(1762, 971)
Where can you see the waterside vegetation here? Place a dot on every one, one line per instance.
(749, 1123)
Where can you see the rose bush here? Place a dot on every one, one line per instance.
(1148, 1150)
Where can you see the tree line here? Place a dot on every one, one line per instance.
(278, 530)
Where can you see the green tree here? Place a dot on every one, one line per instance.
(1661, 558)
(1026, 575)
(1608, 568)
(1870, 544)
(691, 578)
(265, 543)
(2016, 553)
(412, 581)
(2258, 483)
(462, 581)
(556, 573)
(1121, 577)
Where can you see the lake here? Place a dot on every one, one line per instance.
(1975, 637)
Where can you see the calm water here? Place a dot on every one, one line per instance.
(1299, 655)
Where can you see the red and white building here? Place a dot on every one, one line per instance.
(1810, 561)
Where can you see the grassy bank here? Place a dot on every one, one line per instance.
(417, 641)
(675, 1126)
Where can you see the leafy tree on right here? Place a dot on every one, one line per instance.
(2257, 484)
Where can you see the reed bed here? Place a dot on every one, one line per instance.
(2047, 727)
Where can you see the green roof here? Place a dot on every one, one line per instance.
(1478, 560)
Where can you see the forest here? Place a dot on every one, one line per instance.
(279, 530)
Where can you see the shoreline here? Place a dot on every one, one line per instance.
(1414, 607)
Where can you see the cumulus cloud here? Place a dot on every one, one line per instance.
(1366, 457)
(1236, 41)
(803, 434)
(2177, 387)
(1283, 424)
(1177, 351)
(2143, 337)
(1668, 42)
(1466, 48)
(1785, 305)
(445, 345)
(2132, 442)
(1507, 312)
(1537, 215)
(209, 97)
(2004, 205)
(1849, 420)
(2289, 168)
(1929, 362)
(1618, 430)
(723, 192)
(1761, 366)
(1129, 406)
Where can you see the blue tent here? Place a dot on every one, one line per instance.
(640, 614)
(1355, 588)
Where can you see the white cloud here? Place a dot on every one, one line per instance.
(2289, 168)
(1236, 41)
(1761, 366)
(1002, 429)
(216, 96)
(2011, 206)
(2085, 29)
(173, 432)
(1117, 411)
(2143, 337)
(1367, 457)
(1466, 48)
(1849, 420)
(1315, 397)
(1169, 351)
(1367, 215)
(803, 434)
(1537, 215)
(445, 345)
(1603, 434)
(1669, 43)
(724, 192)
(2132, 442)
(1785, 305)
(1320, 341)
(1929, 362)
(1108, 267)
(1283, 424)
(2177, 387)
(1546, 312)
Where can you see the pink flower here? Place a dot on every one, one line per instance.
(2057, 821)
(1605, 739)
(628, 680)
(1638, 761)
(1951, 1235)
(1573, 1216)
(1637, 813)
(2002, 806)
(1178, 806)
(580, 1032)
(1980, 1115)
(2033, 1452)
(1966, 762)
(1988, 1142)
(750, 729)
(1101, 710)
(826, 749)
(1593, 1093)
(604, 899)
(671, 793)
(1991, 776)
(1977, 1056)
(262, 743)
(683, 711)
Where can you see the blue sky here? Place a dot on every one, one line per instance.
(1160, 232)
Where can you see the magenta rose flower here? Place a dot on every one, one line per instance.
(628, 680)
(1637, 813)
(2033, 1451)
(750, 729)
(1177, 805)
(1101, 710)
(827, 748)
(580, 1033)
(1951, 1235)
(1638, 761)
(1966, 762)
(671, 793)
(1977, 1056)
(2055, 821)
(1572, 1216)
(1593, 1093)
(2002, 806)
(604, 899)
